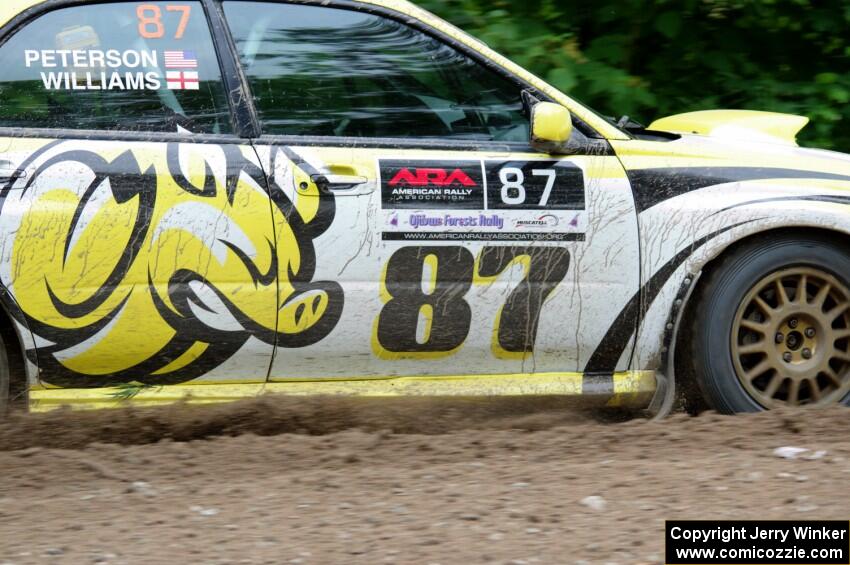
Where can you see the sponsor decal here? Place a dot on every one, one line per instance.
(431, 177)
(425, 220)
(544, 221)
(531, 199)
(407, 184)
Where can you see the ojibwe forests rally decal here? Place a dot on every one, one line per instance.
(484, 200)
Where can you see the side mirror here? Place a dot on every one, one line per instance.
(551, 126)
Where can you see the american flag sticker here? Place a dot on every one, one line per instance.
(182, 80)
(181, 60)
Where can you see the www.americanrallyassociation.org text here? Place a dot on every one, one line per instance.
(755, 532)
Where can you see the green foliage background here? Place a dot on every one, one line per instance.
(650, 58)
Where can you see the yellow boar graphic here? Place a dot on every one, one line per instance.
(156, 264)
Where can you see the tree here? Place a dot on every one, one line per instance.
(654, 58)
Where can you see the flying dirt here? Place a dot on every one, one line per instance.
(282, 480)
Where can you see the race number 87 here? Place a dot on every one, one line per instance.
(150, 20)
(534, 185)
(430, 284)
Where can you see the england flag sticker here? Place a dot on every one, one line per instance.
(182, 80)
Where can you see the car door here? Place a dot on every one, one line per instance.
(136, 239)
(427, 237)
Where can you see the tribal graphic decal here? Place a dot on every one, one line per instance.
(159, 263)
(654, 186)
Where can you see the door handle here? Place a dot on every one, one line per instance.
(338, 182)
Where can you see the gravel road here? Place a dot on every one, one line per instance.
(280, 480)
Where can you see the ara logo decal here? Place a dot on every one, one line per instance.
(418, 184)
(436, 177)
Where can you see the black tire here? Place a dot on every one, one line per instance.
(721, 293)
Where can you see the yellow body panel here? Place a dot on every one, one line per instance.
(633, 388)
(640, 154)
(11, 8)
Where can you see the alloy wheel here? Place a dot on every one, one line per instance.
(791, 339)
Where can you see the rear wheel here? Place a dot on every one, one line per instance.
(772, 326)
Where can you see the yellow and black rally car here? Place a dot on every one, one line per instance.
(219, 198)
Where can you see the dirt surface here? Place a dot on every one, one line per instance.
(332, 481)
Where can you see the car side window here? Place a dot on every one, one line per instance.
(146, 66)
(321, 71)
